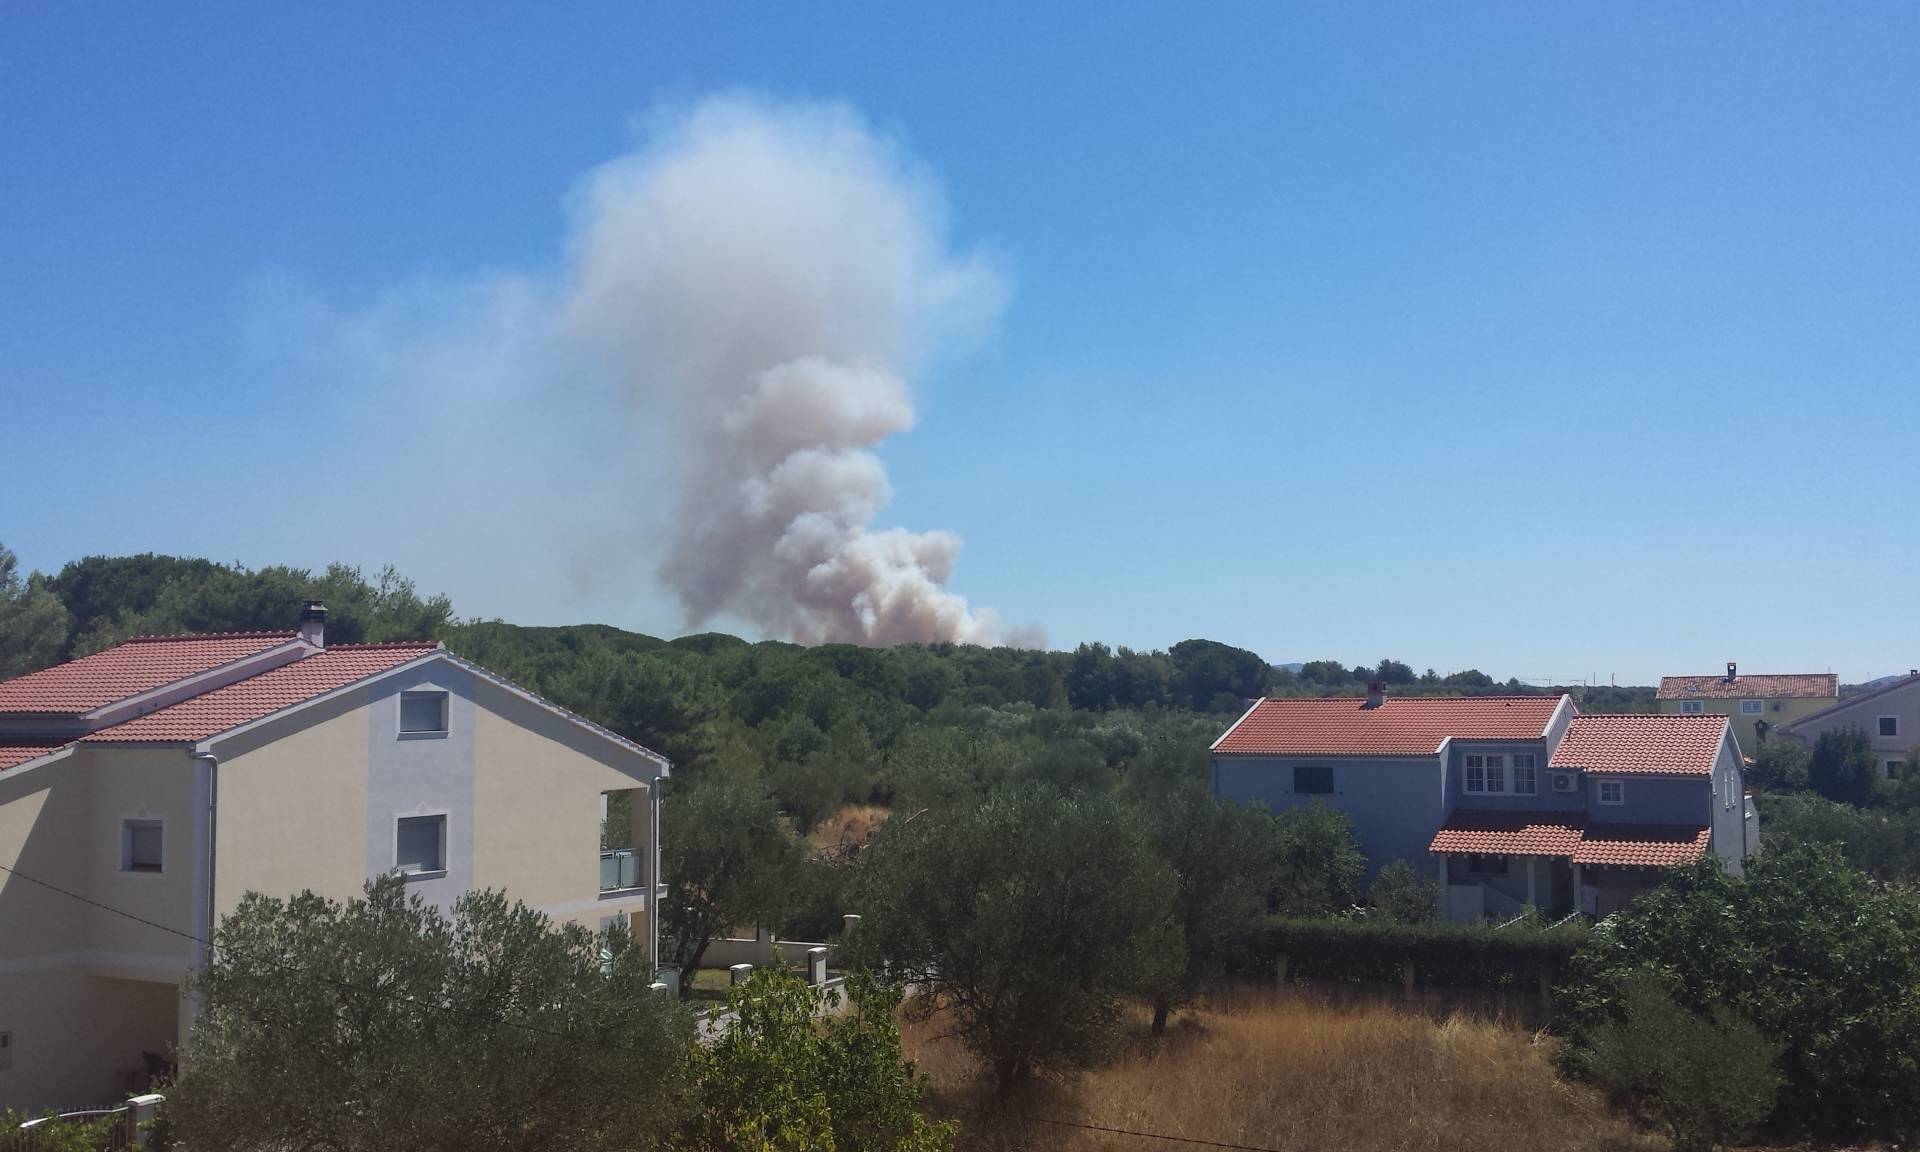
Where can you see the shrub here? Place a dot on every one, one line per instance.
(1843, 766)
(56, 1135)
(1780, 765)
(383, 1024)
(1455, 955)
(779, 1079)
(1400, 893)
(1820, 957)
(1708, 1079)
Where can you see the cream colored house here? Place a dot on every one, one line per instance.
(145, 788)
(1888, 714)
(1755, 706)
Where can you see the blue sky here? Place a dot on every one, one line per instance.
(1554, 341)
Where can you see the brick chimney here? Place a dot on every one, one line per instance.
(1376, 693)
(313, 623)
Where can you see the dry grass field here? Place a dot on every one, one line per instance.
(1280, 1073)
(848, 829)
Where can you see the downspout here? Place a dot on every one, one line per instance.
(213, 840)
(658, 889)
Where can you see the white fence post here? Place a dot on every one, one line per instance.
(140, 1109)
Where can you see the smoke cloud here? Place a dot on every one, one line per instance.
(699, 390)
(762, 281)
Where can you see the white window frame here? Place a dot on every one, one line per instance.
(1600, 788)
(1880, 726)
(126, 845)
(1486, 763)
(1532, 767)
(1692, 707)
(1753, 707)
(446, 843)
(446, 713)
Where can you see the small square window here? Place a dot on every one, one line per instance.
(1691, 707)
(141, 846)
(1612, 791)
(1752, 707)
(420, 844)
(1315, 779)
(1889, 725)
(423, 712)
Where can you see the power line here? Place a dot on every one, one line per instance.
(338, 984)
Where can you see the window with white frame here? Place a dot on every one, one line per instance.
(423, 713)
(1889, 725)
(1526, 779)
(1752, 707)
(1611, 791)
(420, 844)
(1486, 773)
(142, 846)
(1692, 707)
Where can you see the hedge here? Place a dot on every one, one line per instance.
(1453, 955)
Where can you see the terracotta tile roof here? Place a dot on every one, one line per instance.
(1403, 726)
(1812, 684)
(1509, 833)
(1642, 745)
(1642, 846)
(14, 753)
(202, 716)
(128, 669)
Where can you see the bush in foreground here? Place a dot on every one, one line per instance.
(780, 1079)
(1707, 1080)
(381, 1024)
(1820, 957)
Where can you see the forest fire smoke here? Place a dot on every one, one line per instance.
(764, 281)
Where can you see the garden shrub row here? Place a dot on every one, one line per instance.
(1451, 955)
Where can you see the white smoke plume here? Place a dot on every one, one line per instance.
(763, 281)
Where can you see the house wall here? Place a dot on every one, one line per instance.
(538, 782)
(1544, 799)
(1652, 800)
(1729, 808)
(293, 806)
(1396, 804)
(84, 992)
(1778, 712)
(1902, 703)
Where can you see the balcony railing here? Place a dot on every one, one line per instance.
(619, 869)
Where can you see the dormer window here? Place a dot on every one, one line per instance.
(423, 713)
(1610, 791)
(1692, 707)
(1487, 774)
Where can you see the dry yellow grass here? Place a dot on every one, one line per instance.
(848, 830)
(1281, 1073)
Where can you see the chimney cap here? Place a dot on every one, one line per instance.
(1733, 671)
(313, 610)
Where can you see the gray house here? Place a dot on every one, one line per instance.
(1889, 714)
(1507, 801)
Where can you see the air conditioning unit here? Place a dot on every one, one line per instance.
(1563, 782)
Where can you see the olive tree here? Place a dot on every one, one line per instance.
(1025, 917)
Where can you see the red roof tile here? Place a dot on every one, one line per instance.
(128, 669)
(1509, 833)
(1801, 686)
(1403, 726)
(202, 716)
(1643, 846)
(1642, 744)
(14, 753)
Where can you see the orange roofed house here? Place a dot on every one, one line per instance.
(1506, 801)
(1754, 705)
(145, 788)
